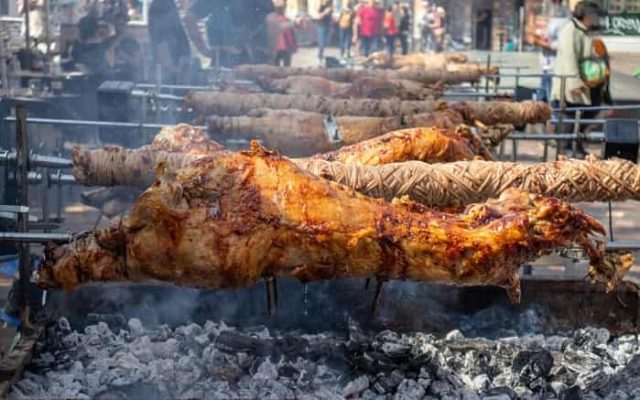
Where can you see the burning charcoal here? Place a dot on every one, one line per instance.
(593, 379)
(572, 393)
(469, 394)
(409, 390)
(232, 342)
(266, 370)
(160, 334)
(387, 383)
(533, 367)
(134, 391)
(141, 349)
(135, 327)
(500, 393)
(590, 337)
(370, 395)
(440, 389)
(454, 335)
(556, 343)
(190, 330)
(424, 382)
(481, 382)
(618, 395)
(115, 321)
(356, 386)
(287, 371)
(164, 349)
(579, 361)
(557, 387)
(395, 351)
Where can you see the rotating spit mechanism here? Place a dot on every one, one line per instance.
(621, 139)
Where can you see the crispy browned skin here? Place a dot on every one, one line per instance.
(372, 87)
(429, 145)
(301, 133)
(229, 221)
(415, 61)
(113, 165)
(135, 167)
(489, 112)
(428, 77)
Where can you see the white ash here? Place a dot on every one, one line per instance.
(218, 361)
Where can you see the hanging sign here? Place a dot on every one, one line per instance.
(621, 25)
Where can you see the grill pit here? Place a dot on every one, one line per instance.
(161, 342)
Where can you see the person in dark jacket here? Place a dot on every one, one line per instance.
(236, 30)
(169, 44)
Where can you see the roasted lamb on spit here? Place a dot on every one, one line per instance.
(231, 220)
(414, 61)
(428, 77)
(134, 167)
(301, 133)
(489, 113)
(371, 87)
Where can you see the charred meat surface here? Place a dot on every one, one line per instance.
(231, 220)
(430, 145)
(135, 167)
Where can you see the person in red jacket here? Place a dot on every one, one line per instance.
(282, 39)
(390, 31)
(369, 27)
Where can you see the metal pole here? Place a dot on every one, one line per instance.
(576, 131)
(46, 213)
(27, 30)
(59, 199)
(22, 171)
(611, 222)
(486, 79)
(563, 107)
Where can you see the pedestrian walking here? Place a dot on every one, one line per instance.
(325, 13)
(390, 31)
(368, 27)
(282, 39)
(579, 63)
(404, 28)
(345, 24)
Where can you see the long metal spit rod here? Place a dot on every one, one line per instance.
(22, 172)
(54, 179)
(60, 237)
(591, 137)
(36, 237)
(35, 160)
(102, 124)
(601, 108)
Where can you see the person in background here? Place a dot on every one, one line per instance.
(483, 30)
(236, 30)
(127, 53)
(345, 24)
(169, 42)
(557, 16)
(404, 28)
(437, 27)
(90, 52)
(368, 27)
(325, 13)
(575, 48)
(424, 23)
(281, 35)
(390, 31)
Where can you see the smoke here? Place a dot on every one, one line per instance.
(318, 307)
